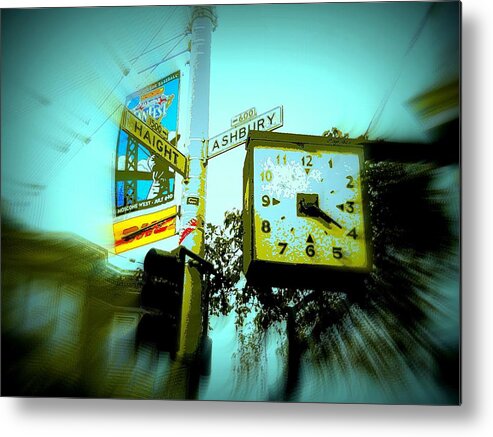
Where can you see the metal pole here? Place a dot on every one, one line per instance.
(194, 193)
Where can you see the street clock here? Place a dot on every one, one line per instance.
(305, 213)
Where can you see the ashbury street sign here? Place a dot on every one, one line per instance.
(237, 135)
(154, 141)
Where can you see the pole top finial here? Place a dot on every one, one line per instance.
(204, 11)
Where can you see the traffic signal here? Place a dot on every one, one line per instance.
(162, 297)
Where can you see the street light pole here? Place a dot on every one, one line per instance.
(202, 24)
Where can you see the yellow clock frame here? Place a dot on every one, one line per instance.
(305, 211)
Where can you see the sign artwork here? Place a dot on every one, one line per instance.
(147, 158)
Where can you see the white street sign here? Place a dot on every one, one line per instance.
(243, 117)
(232, 138)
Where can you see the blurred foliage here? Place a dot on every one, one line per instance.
(380, 327)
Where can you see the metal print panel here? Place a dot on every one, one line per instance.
(305, 253)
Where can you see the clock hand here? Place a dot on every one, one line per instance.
(313, 210)
(328, 219)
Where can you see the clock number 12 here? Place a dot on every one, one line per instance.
(307, 161)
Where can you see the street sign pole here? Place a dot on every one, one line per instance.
(194, 189)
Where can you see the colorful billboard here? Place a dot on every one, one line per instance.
(144, 178)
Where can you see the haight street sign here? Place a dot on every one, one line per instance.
(232, 138)
(154, 141)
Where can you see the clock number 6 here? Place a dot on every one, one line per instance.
(310, 250)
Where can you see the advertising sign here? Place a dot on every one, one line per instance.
(146, 160)
(232, 138)
(145, 229)
(158, 101)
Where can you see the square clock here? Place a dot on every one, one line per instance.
(305, 211)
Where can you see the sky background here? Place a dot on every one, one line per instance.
(326, 64)
(65, 73)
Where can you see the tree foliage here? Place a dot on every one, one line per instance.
(383, 325)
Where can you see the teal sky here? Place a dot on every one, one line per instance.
(327, 64)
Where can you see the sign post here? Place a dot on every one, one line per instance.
(194, 189)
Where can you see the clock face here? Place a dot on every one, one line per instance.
(308, 206)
